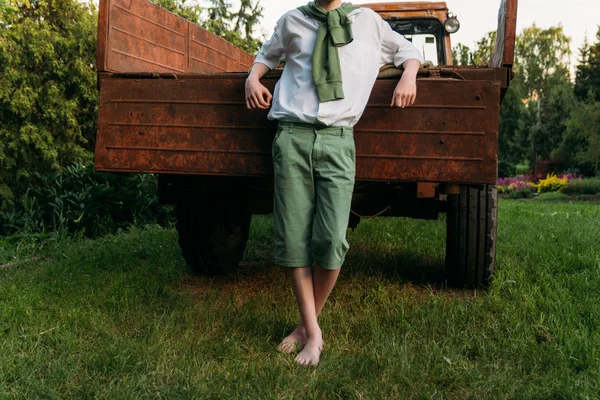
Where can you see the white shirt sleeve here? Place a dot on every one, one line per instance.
(394, 47)
(273, 51)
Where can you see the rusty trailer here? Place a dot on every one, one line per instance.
(172, 103)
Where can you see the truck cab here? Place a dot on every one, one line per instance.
(428, 25)
(172, 104)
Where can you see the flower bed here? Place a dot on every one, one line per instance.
(524, 186)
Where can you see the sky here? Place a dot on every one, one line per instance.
(477, 17)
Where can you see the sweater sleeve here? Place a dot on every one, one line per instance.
(273, 51)
(394, 47)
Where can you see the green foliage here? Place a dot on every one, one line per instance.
(461, 54)
(235, 27)
(581, 144)
(524, 193)
(6, 10)
(481, 53)
(588, 71)
(551, 183)
(552, 113)
(505, 168)
(582, 186)
(553, 196)
(543, 55)
(80, 201)
(48, 96)
(484, 49)
(511, 148)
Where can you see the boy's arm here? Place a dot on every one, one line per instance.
(405, 93)
(257, 95)
(399, 51)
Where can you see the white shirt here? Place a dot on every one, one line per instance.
(295, 95)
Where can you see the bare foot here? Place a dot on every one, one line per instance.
(311, 353)
(294, 341)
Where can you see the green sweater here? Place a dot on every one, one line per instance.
(335, 31)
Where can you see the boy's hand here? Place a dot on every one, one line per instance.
(257, 96)
(405, 92)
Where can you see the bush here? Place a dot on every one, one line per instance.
(82, 201)
(48, 94)
(582, 186)
(552, 183)
(553, 196)
(524, 193)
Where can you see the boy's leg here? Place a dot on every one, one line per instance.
(334, 185)
(333, 163)
(293, 215)
(304, 290)
(323, 283)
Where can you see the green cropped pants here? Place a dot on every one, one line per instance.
(314, 179)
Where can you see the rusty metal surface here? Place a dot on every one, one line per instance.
(201, 126)
(504, 48)
(510, 33)
(138, 36)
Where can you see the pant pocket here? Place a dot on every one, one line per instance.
(277, 141)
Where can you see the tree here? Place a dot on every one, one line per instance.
(587, 77)
(542, 61)
(581, 143)
(484, 48)
(547, 134)
(542, 54)
(48, 96)
(512, 112)
(235, 27)
(460, 54)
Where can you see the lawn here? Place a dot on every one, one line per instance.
(122, 317)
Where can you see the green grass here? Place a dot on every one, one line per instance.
(121, 317)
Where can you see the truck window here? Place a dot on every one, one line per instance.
(427, 34)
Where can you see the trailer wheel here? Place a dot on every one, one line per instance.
(213, 236)
(472, 222)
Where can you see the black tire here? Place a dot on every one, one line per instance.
(213, 236)
(472, 222)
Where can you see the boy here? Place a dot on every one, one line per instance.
(333, 53)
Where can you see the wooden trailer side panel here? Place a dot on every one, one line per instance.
(138, 36)
(200, 125)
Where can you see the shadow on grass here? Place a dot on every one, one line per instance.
(402, 266)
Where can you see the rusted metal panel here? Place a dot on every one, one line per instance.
(426, 190)
(138, 36)
(202, 126)
(103, 13)
(510, 33)
(504, 48)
